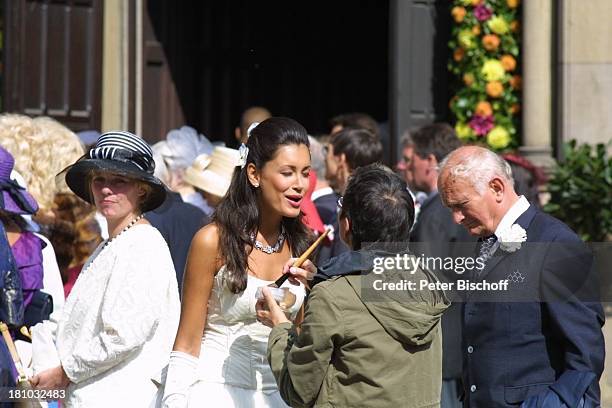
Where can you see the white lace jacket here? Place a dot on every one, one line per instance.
(119, 322)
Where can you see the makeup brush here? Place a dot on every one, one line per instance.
(298, 262)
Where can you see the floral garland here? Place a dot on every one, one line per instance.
(485, 50)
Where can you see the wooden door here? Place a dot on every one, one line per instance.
(53, 60)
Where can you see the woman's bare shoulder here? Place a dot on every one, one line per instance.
(208, 236)
(206, 244)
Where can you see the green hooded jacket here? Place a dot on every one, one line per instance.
(360, 347)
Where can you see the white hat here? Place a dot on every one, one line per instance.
(213, 173)
(183, 146)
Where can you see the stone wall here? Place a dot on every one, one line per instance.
(587, 70)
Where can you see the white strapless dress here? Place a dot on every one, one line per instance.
(233, 369)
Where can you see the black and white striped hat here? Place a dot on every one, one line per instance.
(117, 152)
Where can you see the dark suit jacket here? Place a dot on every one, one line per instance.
(517, 343)
(327, 208)
(178, 222)
(435, 234)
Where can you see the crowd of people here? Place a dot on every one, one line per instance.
(138, 275)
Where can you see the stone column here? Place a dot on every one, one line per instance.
(115, 65)
(537, 70)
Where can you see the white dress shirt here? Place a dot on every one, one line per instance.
(509, 218)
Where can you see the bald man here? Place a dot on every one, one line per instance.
(539, 341)
(250, 116)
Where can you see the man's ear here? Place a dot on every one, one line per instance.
(431, 159)
(253, 175)
(237, 134)
(342, 161)
(344, 172)
(498, 187)
(344, 224)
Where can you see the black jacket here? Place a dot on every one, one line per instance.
(522, 342)
(11, 294)
(435, 234)
(178, 222)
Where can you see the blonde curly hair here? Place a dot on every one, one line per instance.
(42, 147)
(17, 133)
(59, 148)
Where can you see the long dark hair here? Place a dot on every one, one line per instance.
(237, 215)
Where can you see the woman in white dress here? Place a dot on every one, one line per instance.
(117, 326)
(219, 356)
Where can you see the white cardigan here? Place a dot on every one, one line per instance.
(119, 322)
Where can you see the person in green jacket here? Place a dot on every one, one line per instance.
(369, 338)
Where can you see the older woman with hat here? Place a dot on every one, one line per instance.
(119, 321)
(178, 151)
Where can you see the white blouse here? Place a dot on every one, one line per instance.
(119, 322)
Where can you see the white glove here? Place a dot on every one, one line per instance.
(181, 375)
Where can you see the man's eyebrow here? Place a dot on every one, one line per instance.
(454, 202)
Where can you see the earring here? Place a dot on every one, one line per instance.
(256, 185)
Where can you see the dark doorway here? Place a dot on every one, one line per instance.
(206, 61)
(420, 31)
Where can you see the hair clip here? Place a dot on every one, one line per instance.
(251, 127)
(244, 153)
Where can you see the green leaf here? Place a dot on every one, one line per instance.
(581, 190)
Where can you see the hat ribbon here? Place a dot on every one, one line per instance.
(14, 190)
(140, 160)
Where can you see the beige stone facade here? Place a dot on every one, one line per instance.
(585, 60)
(587, 70)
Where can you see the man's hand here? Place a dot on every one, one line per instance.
(268, 311)
(51, 379)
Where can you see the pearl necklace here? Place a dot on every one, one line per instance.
(267, 248)
(127, 227)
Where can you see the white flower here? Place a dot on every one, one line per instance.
(244, 152)
(510, 239)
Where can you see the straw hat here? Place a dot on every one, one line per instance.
(213, 173)
(121, 153)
